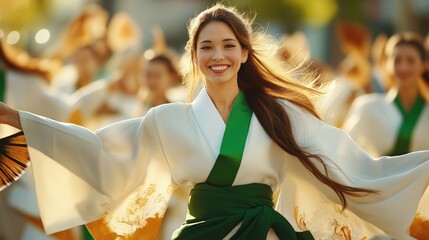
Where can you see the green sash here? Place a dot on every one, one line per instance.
(216, 208)
(233, 143)
(2, 84)
(86, 234)
(409, 122)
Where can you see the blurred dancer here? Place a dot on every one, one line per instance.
(354, 73)
(95, 55)
(26, 85)
(88, 26)
(161, 74)
(396, 123)
(143, 84)
(84, 69)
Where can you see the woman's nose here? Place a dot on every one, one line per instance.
(218, 55)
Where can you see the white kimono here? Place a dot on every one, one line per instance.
(374, 122)
(128, 171)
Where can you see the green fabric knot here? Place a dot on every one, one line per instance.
(216, 207)
(213, 212)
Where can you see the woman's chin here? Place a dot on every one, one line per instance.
(219, 80)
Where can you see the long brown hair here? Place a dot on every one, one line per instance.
(263, 80)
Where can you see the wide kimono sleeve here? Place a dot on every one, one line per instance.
(401, 182)
(117, 175)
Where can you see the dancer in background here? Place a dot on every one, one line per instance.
(354, 73)
(142, 84)
(161, 74)
(252, 131)
(396, 123)
(96, 58)
(82, 30)
(27, 86)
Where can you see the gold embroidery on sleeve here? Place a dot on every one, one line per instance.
(340, 231)
(300, 219)
(138, 217)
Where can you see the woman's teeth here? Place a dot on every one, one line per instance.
(219, 68)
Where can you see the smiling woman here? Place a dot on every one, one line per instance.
(252, 131)
(219, 57)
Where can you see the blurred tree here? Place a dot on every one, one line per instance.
(317, 12)
(285, 12)
(19, 14)
(351, 10)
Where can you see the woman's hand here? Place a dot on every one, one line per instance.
(9, 116)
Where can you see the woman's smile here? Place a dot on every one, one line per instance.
(219, 68)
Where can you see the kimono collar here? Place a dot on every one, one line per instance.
(209, 120)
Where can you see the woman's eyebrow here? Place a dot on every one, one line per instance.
(224, 40)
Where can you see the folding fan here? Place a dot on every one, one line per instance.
(14, 158)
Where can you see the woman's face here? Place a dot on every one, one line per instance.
(158, 77)
(405, 65)
(218, 54)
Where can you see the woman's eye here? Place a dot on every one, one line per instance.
(229, 46)
(205, 47)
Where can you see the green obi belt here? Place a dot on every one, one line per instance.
(216, 207)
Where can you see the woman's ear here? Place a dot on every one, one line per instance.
(244, 56)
